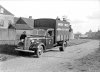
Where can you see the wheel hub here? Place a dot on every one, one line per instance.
(40, 50)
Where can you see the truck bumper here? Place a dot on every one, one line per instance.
(25, 50)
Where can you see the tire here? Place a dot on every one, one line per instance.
(20, 53)
(39, 51)
(62, 48)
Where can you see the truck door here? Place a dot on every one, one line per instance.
(50, 39)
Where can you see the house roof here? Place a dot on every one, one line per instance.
(19, 27)
(5, 11)
(28, 21)
(24, 23)
(22, 27)
(15, 19)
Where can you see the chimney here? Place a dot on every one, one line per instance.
(30, 17)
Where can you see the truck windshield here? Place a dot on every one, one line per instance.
(39, 32)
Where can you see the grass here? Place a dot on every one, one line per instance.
(77, 41)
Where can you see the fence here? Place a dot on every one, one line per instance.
(7, 36)
(12, 36)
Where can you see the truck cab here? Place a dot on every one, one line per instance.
(49, 38)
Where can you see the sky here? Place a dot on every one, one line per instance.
(84, 15)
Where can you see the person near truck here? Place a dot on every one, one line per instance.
(23, 35)
(22, 39)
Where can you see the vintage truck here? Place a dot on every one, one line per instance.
(50, 33)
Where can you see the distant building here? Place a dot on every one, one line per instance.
(77, 35)
(83, 36)
(90, 34)
(97, 34)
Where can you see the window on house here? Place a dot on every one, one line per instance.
(1, 22)
(1, 10)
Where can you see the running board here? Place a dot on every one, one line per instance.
(24, 50)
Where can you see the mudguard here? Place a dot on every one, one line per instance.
(35, 45)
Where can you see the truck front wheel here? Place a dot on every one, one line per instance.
(39, 51)
(62, 48)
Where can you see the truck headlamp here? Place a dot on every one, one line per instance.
(33, 41)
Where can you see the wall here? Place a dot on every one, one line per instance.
(12, 37)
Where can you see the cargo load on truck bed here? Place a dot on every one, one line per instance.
(60, 27)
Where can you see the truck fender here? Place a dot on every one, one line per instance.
(35, 46)
(41, 44)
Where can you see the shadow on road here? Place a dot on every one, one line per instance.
(52, 50)
(8, 52)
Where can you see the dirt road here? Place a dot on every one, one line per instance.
(52, 61)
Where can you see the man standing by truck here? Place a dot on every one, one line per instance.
(23, 35)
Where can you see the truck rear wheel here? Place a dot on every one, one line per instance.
(62, 48)
(39, 51)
